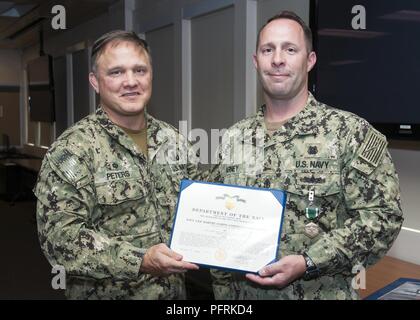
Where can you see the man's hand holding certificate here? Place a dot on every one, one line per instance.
(228, 227)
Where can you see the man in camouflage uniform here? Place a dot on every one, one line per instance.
(343, 204)
(105, 200)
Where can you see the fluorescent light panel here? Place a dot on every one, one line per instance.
(403, 15)
(410, 229)
(345, 33)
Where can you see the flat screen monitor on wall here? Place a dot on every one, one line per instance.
(41, 89)
(369, 61)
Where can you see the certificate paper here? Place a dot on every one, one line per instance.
(228, 227)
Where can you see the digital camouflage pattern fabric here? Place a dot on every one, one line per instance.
(102, 204)
(344, 161)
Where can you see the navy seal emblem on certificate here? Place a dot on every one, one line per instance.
(228, 227)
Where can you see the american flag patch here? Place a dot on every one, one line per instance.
(68, 164)
(373, 147)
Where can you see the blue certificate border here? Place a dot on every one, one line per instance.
(377, 294)
(280, 195)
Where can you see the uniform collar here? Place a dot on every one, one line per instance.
(306, 122)
(155, 138)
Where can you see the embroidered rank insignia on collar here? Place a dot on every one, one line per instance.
(373, 147)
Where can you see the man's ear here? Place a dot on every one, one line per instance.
(94, 82)
(254, 59)
(311, 60)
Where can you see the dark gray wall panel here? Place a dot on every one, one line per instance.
(80, 84)
(60, 94)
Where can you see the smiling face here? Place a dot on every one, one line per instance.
(282, 60)
(123, 80)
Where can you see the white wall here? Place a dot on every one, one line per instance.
(212, 38)
(407, 244)
(152, 15)
(407, 164)
(161, 104)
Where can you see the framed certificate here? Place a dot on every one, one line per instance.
(228, 227)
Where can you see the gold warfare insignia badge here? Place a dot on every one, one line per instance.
(229, 204)
(230, 201)
(311, 230)
(220, 255)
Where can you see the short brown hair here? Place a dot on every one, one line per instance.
(116, 36)
(291, 16)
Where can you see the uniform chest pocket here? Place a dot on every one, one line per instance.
(326, 200)
(300, 230)
(124, 210)
(118, 191)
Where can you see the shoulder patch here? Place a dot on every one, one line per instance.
(373, 148)
(69, 165)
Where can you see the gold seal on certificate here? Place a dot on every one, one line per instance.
(228, 227)
(220, 255)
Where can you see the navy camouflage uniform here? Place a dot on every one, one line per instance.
(102, 204)
(344, 161)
